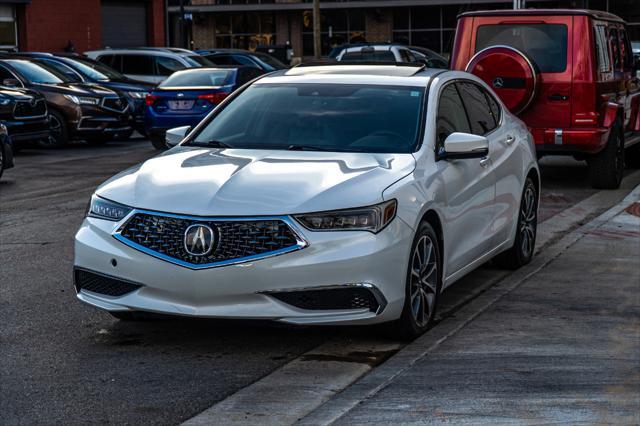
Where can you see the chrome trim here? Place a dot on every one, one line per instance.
(377, 294)
(29, 117)
(125, 101)
(301, 242)
(557, 137)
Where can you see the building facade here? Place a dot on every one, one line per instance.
(244, 24)
(54, 25)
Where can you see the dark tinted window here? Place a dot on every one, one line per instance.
(197, 78)
(327, 117)
(477, 106)
(167, 66)
(5, 74)
(63, 69)
(494, 106)
(615, 50)
(243, 60)
(38, 73)
(451, 115)
(221, 60)
(545, 44)
(137, 64)
(247, 74)
(106, 59)
(369, 56)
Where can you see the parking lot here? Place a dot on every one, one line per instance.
(63, 360)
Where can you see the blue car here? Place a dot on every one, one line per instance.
(187, 96)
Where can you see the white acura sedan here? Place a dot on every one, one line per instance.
(342, 194)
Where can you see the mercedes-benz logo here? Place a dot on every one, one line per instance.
(199, 240)
(498, 82)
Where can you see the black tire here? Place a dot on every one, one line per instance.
(158, 142)
(607, 166)
(124, 136)
(59, 131)
(422, 286)
(524, 245)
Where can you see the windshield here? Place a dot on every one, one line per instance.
(324, 117)
(96, 70)
(197, 78)
(39, 73)
(198, 61)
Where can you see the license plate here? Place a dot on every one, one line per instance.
(180, 105)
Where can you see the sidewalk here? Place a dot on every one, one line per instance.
(563, 346)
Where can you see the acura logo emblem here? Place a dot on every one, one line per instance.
(199, 240)
(498, 82)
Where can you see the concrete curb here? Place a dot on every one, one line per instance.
(382, 376)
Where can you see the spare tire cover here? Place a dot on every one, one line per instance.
(510, 74)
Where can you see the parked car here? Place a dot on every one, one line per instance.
(378, 53)
(569, 74)
(186, 97)
(152, 65)
(430, 58)
(76, 110)
(237, 57)
(86, 70)
(318, 195)
(24, 114)
(6, 151)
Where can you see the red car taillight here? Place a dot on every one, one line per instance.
(150, 100)
(214, 98)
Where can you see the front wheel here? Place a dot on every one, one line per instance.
(59, 131)
(524, 245)
(422, 287)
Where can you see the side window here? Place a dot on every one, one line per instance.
(411, 56)
(167, 66)
(137, 64)
(220, 59)
(625, 51)
(5, 74)
(105, 59)
(241, 60)
(494, 106)
(615, 50)
(480, 116)
(451, 115)
(404, 55)
(602, 51)
(245, 75)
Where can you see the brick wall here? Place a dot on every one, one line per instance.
(48, 25)
(379, 25)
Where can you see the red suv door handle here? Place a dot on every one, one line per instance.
(558, 97)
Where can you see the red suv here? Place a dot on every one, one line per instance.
(569, 74)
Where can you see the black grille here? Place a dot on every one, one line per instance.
(102, 284)
(115, 104)
(234, 239)
(25, 109)
(330, 299)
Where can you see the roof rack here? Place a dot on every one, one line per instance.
(321, 63)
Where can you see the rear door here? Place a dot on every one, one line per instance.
(547, 41)
(140, 67)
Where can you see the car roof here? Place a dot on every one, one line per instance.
(159, 51)
(537, 12)
(376, 47)
(339, 73)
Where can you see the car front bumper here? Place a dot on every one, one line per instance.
(245, 290)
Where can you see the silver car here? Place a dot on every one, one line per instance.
(318, 195)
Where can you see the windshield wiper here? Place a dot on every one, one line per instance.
(323, 149)
(304, 148)
(215, 144)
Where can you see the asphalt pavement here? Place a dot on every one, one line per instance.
(64, 362)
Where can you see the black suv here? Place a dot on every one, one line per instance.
(24, 113)
(77, 110)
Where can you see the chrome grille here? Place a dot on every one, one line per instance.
(115, 104)
(236, 240)
(29, 109)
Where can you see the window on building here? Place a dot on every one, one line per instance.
(8, 31)
(244, 30)
(337, 27)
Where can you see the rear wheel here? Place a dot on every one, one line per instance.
(158, 142)
(59, 131)
(607, 166)
(422, 287)
(524, 245)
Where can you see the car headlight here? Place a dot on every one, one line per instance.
(108, 210)
(137, 95)
(372, 218)
(83, 100)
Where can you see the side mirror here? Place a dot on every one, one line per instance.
(174, 136)
(459, 146)
(11, 82)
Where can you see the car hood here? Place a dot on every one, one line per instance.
(236, 182)
(80, 89)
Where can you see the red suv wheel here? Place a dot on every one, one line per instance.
(509, 72)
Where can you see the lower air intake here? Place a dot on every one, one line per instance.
(330, 299)
(102, 284)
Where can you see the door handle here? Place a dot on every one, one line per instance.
(485, 161)
(510, 140)
(558, 97)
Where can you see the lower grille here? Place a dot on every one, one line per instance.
(27, 109)
(115, 104)
(102, 284)
(330, 299)
(232, 240)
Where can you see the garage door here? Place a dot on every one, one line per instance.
(124, 23)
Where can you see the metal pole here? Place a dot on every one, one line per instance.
(317, 46)
(166, 23)
(183, 26)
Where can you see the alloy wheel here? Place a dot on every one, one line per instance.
(528, 221)
(424, 280)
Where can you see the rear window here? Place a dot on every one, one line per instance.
(198, 79)
(369, 56)
(545, 44)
